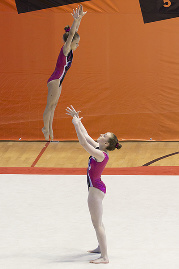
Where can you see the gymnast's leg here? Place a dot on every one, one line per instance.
(52, 113)
(95, 199)
(54, 92)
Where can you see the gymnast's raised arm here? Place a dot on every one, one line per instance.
(81, 14)
(84, 139)
(72, 112)
(77, 14)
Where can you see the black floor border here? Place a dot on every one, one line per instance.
(160, 158)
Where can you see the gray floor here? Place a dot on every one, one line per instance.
(45, 223)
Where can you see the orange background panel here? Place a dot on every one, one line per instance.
(124, 77)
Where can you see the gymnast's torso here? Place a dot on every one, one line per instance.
(62, 66)
(94, 172)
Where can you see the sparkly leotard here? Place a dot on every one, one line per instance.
(94, 172)
(62, 66)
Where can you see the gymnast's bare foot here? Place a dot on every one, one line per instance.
(46, 134)
(100, 260)
(51, 134)
(96, 250)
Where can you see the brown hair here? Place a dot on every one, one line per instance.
(113, 143)
(66, 34)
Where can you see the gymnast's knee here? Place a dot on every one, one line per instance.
(51, 106)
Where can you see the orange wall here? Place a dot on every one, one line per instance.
(124, 77)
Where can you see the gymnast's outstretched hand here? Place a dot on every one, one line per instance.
(78, 13)
(72, 112)
(81, 12)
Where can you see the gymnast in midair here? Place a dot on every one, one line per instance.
(96, 188)
(71, 41)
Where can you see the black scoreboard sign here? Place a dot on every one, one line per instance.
(157, 10)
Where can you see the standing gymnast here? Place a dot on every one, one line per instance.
(71, 41)
(97, 189)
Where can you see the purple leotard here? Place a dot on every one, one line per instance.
(62, 66)
(94, 172)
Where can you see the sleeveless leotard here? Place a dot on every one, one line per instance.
(94, 172)
(62, 66)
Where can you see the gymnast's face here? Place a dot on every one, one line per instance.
(75, 43)
(103, 139)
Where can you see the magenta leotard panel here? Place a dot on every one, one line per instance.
(94, 172)
(62, 66)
